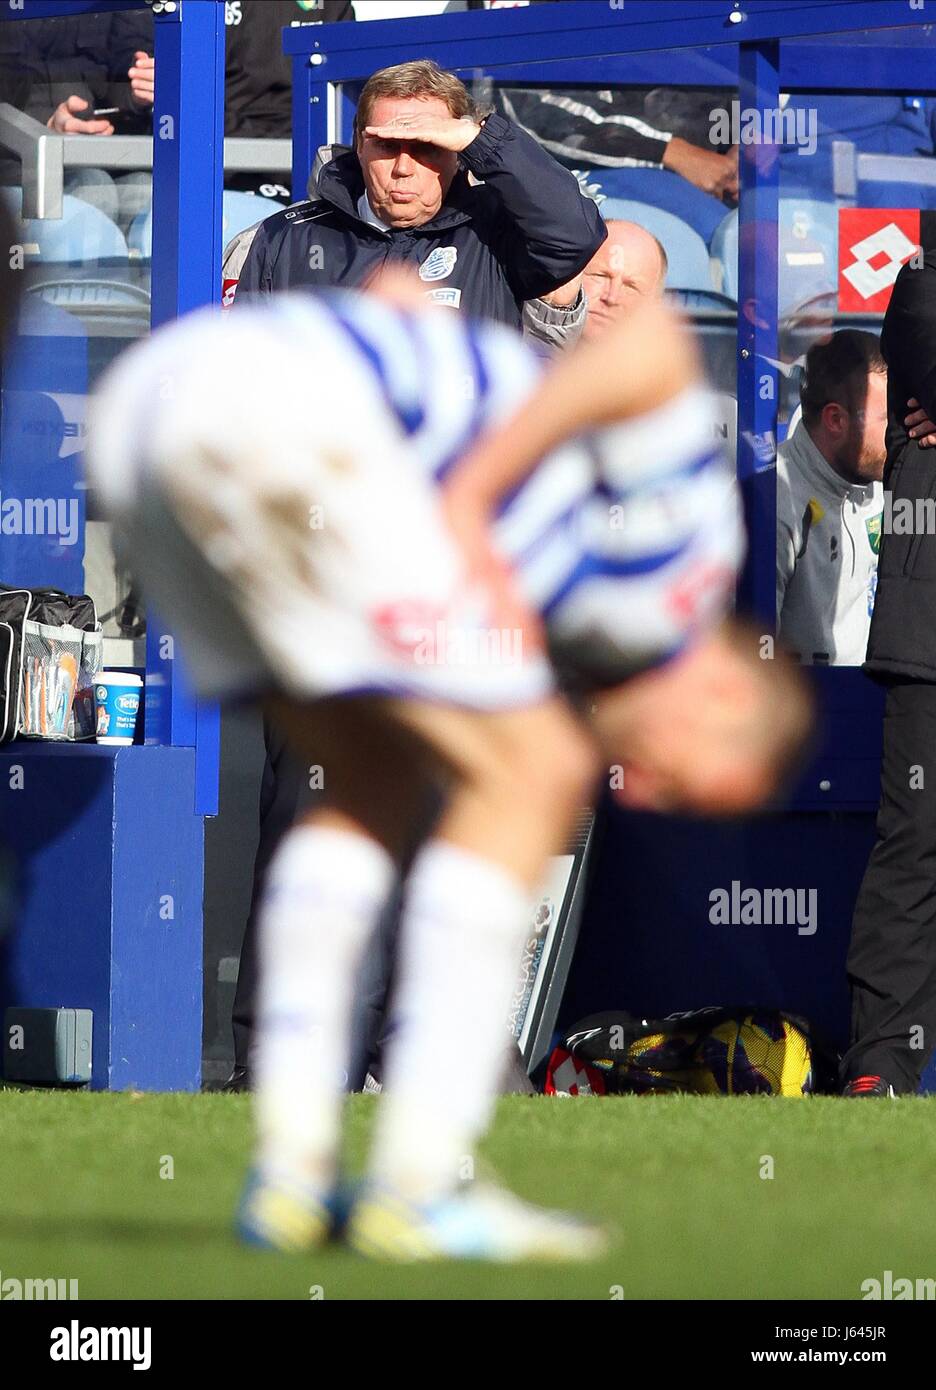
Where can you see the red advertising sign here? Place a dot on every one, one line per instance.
(873, 244)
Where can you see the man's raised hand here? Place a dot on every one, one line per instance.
(918, 425)
(712, 172)
(143, 79)
(445, 132)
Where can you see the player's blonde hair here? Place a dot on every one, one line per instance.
(421, 78)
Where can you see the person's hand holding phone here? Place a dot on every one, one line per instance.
(74, 116)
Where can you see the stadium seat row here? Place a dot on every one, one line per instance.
(84, 234)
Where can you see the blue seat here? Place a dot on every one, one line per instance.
(83, 233)
(724, 252)
(107, 308)
(807, 253)
(239, 211)
(79, 263)
(808, 250)
(242, 210)
(140, 235)
(662, 189)
(688, 259)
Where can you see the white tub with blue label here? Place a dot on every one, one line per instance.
(117, 696)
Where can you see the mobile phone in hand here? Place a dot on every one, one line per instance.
(100, 113)
(124, 122)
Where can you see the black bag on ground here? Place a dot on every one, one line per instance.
(51, 649)
(736, 1050)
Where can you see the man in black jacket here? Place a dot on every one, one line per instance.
(58, 71)
(53, 69)
(257, 77)
(484, 250)
(257, 74)
(892, 958)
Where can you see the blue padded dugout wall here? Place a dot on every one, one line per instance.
(646, 942)
(107, 843)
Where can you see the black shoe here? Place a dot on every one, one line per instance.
(239, 1080)
(868, 1086)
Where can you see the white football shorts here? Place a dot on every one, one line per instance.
(265, 499)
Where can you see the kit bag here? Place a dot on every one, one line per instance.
(736, 1050)
(51, 649)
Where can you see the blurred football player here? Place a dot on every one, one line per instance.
(403, 567)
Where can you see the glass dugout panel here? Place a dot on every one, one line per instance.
(857, 190)
(84, 248)
(769, 54)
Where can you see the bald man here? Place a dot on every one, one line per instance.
(628, 267)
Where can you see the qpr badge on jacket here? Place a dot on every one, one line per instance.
(439, 263)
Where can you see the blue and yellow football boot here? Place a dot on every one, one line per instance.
(477, 1222)
(285, 1215)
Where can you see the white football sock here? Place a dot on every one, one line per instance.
(325, 888)
(463, 925)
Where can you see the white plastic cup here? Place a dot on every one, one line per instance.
(117, 697)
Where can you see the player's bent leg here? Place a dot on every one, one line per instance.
(522, 778)
(325, 888)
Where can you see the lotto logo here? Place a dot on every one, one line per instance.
(877, 260)
(873, 244)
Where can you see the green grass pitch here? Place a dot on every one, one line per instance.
(677, 1180)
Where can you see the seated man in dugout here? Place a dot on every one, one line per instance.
(830, 502)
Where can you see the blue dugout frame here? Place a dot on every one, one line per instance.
(188, 177)
(674, 42)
